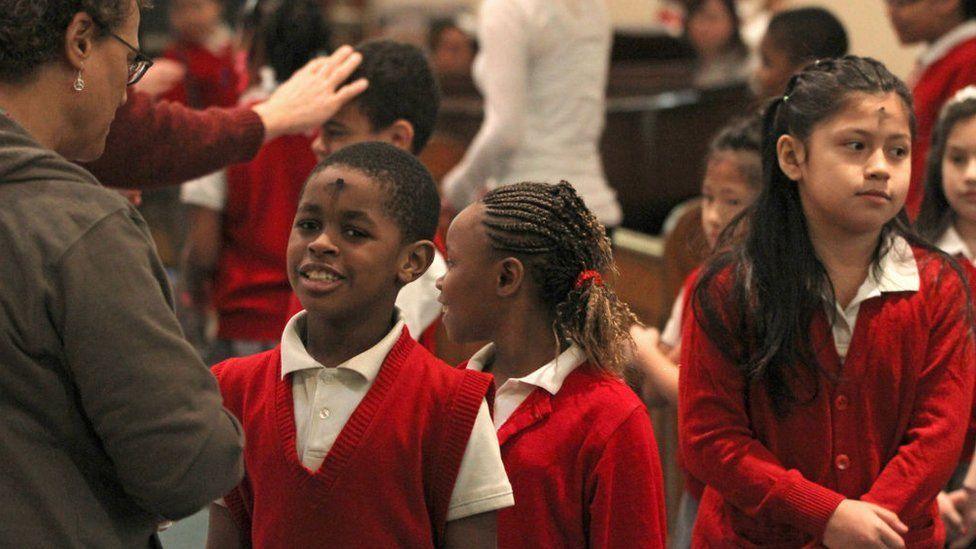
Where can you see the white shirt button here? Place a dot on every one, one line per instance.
(324, 413)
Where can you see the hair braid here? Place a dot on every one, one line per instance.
(550, 229)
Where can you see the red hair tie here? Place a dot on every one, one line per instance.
(589, 274)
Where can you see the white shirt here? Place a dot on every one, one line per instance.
(513, 392)
(325, 398)
(953, 244)
(897, 272)
(671, 335)
(542, 68)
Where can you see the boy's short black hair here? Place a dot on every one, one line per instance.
(808, 34)
(401, 86)
(411, 194)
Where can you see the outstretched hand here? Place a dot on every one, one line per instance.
(312, 95)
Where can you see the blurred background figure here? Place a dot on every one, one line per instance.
(452, 48)
(793, 39)
(712, 29)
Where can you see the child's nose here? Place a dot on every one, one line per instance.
(322, 244)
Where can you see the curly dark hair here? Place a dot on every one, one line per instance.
(32, 31)
(549, 229)
(411, 194)
(401, 86)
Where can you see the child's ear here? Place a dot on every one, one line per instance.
(791, 154)
(400, 133)
(511, 276)
(414, 261)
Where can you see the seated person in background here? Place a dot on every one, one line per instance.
(204, 46)
(794, 39)
(712, 28)
(452, 50)
(356, 435)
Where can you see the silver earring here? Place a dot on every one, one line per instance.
(79, 83)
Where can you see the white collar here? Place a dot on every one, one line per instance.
(549, 377)
(295, 357)
(897, 272)
(941, 47)
(953, 244)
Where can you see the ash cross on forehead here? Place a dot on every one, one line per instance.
(338, 185)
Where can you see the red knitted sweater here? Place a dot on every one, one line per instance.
(388, 479)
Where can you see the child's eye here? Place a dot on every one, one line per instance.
(854, 145)
(307, 224)
(353, 232)
(733, 202)
(900, 152)
(957, 159)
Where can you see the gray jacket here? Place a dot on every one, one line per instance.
(108, 419)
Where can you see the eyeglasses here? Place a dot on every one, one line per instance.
(139, 65)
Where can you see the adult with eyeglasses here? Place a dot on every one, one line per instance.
(946, 65)
(109, 421)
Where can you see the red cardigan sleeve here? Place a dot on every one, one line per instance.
(930, 447)
(720, 448)
(153, 144)
(627, 502)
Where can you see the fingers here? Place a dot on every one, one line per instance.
(890, 539)
(340, 73)
(351, 90)
(950, 515)
(890, 519)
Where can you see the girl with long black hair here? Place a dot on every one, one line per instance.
(828, 353)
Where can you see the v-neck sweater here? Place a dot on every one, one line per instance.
(885, 427)
(388, 478)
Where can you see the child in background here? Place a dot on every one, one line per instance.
(452, 50)
(733, 178)
(239, 219)
(356, 435)
(948, 217)
(830, 352)
(794, 39)
(948, 28)
(712, 28)
(525, 268)
(204, 45)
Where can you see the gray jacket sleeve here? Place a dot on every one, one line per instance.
(149, 398)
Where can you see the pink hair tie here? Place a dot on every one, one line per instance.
(589, 274)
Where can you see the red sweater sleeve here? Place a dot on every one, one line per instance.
(153, 144)
(930, 447)
(627, 505)
(721, 449)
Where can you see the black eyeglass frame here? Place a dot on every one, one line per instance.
(139, 65)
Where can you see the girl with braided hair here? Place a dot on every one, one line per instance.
(525, 271)
(827, 363)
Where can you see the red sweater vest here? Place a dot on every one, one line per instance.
(252, 292)
(212, 80)
(584, 468)
(886, 428)
(938, 84)
(388, 479)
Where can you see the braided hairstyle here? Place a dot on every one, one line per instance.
(563, 247)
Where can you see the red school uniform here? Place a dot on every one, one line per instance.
(949, 66)
(251, 288)
(388, 479)
(584, 468)
(884, 427)
(213, 77)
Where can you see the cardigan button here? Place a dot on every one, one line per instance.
(842, 462)
(842, 402)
